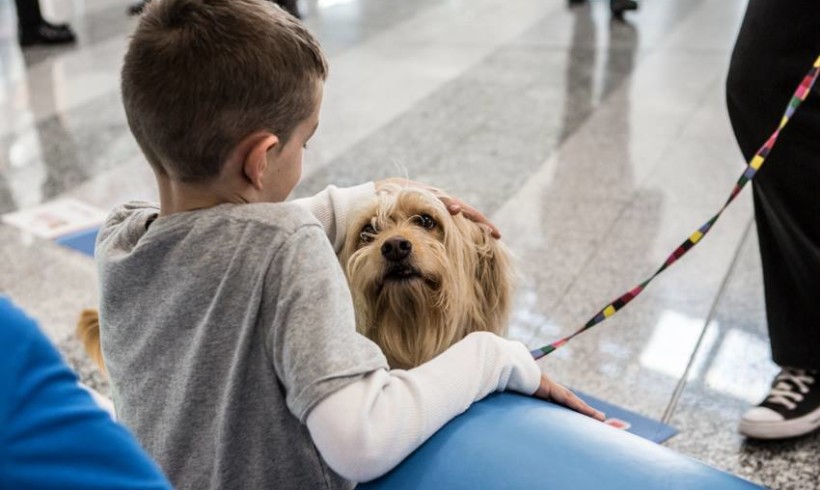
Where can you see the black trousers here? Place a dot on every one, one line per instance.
(778, 42)
(28, 13)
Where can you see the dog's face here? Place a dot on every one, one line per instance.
(421, 278)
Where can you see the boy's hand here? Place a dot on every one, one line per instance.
(453, 204)
(554, 392)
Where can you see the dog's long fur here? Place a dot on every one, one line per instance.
(456, 278)
(452, 279)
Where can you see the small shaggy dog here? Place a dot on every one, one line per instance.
(421, 278)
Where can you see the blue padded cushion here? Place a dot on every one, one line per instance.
(513, 441)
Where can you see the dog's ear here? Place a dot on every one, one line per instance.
(493, 277)
(495, 281)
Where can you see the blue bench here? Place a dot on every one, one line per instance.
(509, 441)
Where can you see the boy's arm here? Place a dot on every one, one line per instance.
(364, 418)
(368, 427)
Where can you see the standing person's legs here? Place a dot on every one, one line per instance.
(33, 29)
(618, 7)
(776, 46)
(28, 13)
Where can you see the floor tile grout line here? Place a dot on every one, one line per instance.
(676, 394)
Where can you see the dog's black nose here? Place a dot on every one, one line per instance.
(396, 248)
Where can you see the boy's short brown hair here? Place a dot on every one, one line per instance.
(200, 75)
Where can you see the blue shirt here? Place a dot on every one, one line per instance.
(52, 434)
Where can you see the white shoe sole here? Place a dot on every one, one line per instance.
(781, 429)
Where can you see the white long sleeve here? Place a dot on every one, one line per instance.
(333, 205)
(368, 427)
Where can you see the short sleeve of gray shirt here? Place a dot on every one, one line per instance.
(313, 342)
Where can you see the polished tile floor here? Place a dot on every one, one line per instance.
(595, 146)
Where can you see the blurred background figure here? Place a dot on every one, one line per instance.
(32, 28)
(290, 6)
(618, 7)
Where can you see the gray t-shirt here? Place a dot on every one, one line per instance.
(221, 328)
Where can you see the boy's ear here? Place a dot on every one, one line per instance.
(255, 161)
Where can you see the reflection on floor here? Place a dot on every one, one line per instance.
(596, 147)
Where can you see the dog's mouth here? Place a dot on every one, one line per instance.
(404, 274)
(400, 273)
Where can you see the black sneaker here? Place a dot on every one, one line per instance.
(791, 409)
(59, 27)
(46, 33)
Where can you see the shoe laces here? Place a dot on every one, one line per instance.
(790, 386)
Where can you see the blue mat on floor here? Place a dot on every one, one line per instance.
(631, 422)
(81, 241)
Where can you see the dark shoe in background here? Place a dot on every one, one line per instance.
(46, 33)
(290, 6)
(136, 8)
(618, 7)
(55, 26)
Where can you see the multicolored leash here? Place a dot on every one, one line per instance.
(799, 96)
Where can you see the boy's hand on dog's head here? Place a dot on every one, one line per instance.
(554, 392)
(453, 204)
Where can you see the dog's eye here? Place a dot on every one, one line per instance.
(425, 221)
(368, 233)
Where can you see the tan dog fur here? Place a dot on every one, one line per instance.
(88, 331)
(458, 278)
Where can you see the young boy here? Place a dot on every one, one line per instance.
(226, 321)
